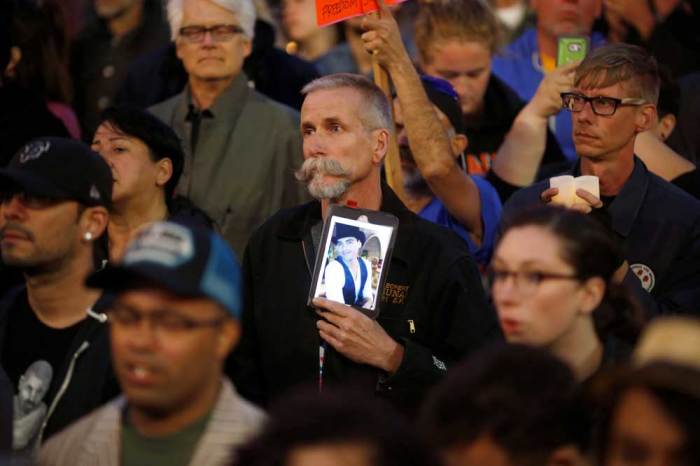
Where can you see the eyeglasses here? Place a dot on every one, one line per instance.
(29, 201)
(164, 322)
(219, 32)
(601, 105)
(526, 281)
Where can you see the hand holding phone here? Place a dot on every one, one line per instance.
(571, 49)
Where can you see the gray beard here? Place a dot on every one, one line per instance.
(312, 172)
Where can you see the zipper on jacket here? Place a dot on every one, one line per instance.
(61, 391)
(306, 258)
(411, 326)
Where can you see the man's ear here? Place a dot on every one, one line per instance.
(645, 118)
(94, 221)
(228, 337)
(247, 47)
(382, 137)
(567, 455)
(178, 46)
(459, 144)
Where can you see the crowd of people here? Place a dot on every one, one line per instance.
(168, 169)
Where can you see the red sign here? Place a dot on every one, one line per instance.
(333, 11)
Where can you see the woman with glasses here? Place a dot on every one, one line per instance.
(554, 285)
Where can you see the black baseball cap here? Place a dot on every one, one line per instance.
(187, 261)
(60, 168)
(347, 231)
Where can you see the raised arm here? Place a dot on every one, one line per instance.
(522, 150)
(429, 141)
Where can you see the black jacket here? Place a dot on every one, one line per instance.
(432, 303)
(86, 371)
(659, 228)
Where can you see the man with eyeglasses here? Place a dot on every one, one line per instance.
(613, 99)
(240, 147)
(54, 198)
(173, 320)
(527, 61)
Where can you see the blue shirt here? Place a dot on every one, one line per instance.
(518, 65)
(491, 208)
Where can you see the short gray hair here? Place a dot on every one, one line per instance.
(378, 109)
(243, 9)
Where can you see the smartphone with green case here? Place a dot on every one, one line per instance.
(571, 49)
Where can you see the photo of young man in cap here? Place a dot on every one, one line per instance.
(348, 277)
(54, 201)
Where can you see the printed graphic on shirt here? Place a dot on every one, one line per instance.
(29, 407)
(439, 364)
(645, 275)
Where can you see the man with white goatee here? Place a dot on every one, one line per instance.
(432, 308)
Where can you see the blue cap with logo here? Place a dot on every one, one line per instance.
(187, 261)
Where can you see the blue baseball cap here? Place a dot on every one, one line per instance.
(187, 261)
(443, 96)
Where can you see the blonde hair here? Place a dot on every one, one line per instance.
(627, 64)
(461, 20)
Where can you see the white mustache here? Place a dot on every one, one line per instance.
(320, 166)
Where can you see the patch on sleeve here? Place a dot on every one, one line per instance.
(645, 275)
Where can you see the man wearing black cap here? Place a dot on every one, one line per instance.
(55, 194)
(348, 278)
(174, 319)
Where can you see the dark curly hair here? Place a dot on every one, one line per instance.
(522, 398)
(308, 418)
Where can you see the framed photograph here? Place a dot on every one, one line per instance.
(353, 258)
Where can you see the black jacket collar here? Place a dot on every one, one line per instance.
(299, 224)
(628, 202)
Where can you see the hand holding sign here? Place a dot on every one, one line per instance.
(383, 39)
(333, 11)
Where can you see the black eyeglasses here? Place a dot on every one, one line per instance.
(601, 105)
(219, 32)
(164, 322)
(526, 281)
